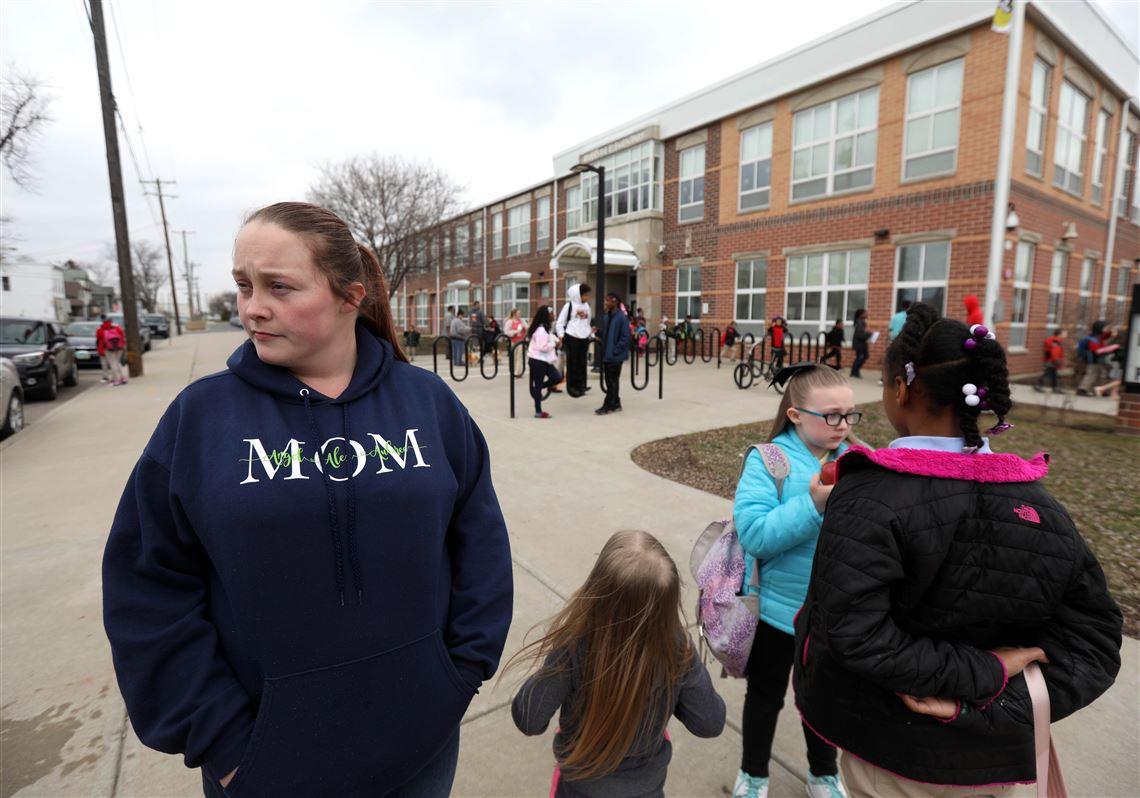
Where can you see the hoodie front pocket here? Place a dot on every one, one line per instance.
(357, 728)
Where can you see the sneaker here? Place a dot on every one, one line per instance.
(825, 787)
(119, 382)
(105, 379)
(750, 786)
(601, 411)
(543, 414)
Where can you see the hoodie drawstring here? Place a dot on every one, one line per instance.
(334, 527)
(353, 558)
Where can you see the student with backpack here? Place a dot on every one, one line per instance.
(308, 575)
(110, 341)
(834, 341)
(781, 339)
(777, 512)
(942, 571)
(617, 664)
(731, 335)
(1088, 349)
(573, 329)
(1054, 354)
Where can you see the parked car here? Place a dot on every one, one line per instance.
(81, 335)
(235, 320)
(41, 352)
(144, 330)
(158, 323)
(12, 397)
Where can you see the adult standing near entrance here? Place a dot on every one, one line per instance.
(478, 323)
(573, 328)
(615, 351)
(308, 576)
(458, 333)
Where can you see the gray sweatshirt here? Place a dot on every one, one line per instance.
(641, 774)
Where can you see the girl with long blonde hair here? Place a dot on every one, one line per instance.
(618, 663)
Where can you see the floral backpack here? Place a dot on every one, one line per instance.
(726, 612)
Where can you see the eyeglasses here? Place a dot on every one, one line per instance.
(835, 419)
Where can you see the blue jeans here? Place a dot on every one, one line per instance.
(458, 351)
(433, 781)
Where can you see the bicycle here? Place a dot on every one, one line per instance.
(746, 373)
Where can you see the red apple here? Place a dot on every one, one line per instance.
(827, 473)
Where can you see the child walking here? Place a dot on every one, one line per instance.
(778, 524)
(1054, 356)
(541, 358)
(617, 663)
(942, 571)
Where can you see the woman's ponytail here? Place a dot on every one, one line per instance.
(375, 308)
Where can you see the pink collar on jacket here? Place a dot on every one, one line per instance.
(950, 465)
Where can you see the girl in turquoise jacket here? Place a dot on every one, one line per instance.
(778, 522)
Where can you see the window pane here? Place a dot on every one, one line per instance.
(837, 269)
(834, 305)
(937, 256)
(930, 164)
(801, 164)
(795, 302)
(802, 128)
(949, 84)
(695, 279)
(910, 264)
(747, 177)
(744, 274)
(795, 271)
(742, 307)
(860, 262)
(749, 140)
(814, 270)
(855, 300)
(905, 295)
(699, 190)
(819, 159)
(1037, 91)
(812, 304)
(935, 295)
(918, 135)
(764, 141)
(845, 115)
(758, 303)
(920, 93)
(822, 126)
(757, 199)
(809, 188)
(760, 273)
(1022, 266)
(946, 129)
(865, 149)
(686, 192)
(764, 173)
(845, 153)
(868, 108)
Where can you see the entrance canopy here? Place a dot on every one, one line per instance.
(583, 251)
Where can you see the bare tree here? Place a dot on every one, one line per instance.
(150, 272)
(223, 305)
(388, 202)
(23, 112)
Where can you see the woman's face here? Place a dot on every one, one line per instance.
(285, 303)
(813, 429)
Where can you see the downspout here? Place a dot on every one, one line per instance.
(1005, 161)
(1113, 211)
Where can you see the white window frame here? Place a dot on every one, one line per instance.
(573, 208)
(759, 196)
(1100, 159)
(689, 295)
(1069, 175)
(458, 296)
(938, 74)
(478, 249)
(446, 249)
(518, 230)
(691, 176)
(1022, 290)
(1039, 111)
(507, 295)
(542, 225)
(825, 288)
(751, 291)
(422, 309)
(829, 142)
(497, 235)
(1123, 284)
(1128, 176)
(1084, 292)
(462, 256)
(633, 181)
(1058, 272)
(923, 283)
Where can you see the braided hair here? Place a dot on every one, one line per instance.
(944, 365)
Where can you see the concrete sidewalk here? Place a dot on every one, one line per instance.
(565, 486)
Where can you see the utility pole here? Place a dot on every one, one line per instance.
(118, 204)
(166, 235)
(189, 267)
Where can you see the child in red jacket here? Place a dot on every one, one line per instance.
(1054, 355)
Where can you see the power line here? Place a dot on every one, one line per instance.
(130, 87)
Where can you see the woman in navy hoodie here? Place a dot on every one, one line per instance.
(309, 576)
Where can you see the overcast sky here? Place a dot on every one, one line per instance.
(240, 101)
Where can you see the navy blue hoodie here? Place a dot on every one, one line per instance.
(308, 589)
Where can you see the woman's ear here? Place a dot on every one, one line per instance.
(356, 294)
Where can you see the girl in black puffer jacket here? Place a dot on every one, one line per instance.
(935, 557)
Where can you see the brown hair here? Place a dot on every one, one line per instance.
(797, 390)
(341, 259)
(627, 628)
